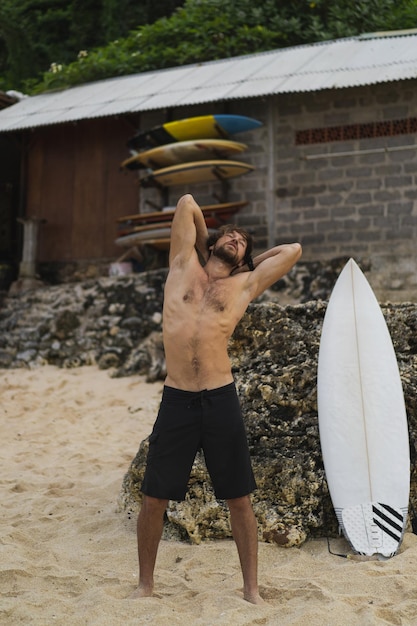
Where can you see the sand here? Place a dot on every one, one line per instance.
(68, 557)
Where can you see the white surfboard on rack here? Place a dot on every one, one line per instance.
(362, 419)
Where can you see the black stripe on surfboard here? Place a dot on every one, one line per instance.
(387, 530)
(393, 512)
(386, 519)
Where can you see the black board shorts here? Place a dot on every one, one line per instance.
(187, 421)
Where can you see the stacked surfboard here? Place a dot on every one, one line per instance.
(184, 152)
(362, 419)
(154, 228)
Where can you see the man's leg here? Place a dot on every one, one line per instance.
(245, 534)
(149, 532)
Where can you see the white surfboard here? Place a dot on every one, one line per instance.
(133, 239)
(362, 419)
(183, 152)
(146, 236)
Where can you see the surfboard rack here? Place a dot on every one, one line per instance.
(224, 197)
(153, 205)
(185, 152)
(152, 181)
(221, 132)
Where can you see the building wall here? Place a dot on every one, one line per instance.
(338, 173)
(363, 204)
(331, 172)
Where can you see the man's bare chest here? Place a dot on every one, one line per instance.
(211, 297)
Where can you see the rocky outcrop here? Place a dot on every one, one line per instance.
(274, 353)
(101, 321)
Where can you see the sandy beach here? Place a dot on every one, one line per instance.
(68, 557)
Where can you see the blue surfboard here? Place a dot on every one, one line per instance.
(202, 127)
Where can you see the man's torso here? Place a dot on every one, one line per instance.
(199, 317)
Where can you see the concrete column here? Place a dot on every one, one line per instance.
(27, 267)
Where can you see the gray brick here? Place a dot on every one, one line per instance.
(287, 192)
(340, 162)
(254, 195)
(261, 244)
(372, 210)
(343, 211)
(359, 172)
(399, 181)
(333, 199)
(368, 235)
(387, 223)
(393, 112)
(321, 252)
(342, 236)
(329, 175)
(403, 233)
(354, 250)
(369, 183)
(329, 225)
(303, 178)
(359, 198)
(410, 167)
(316, 214)
(357, 225)
(385, 195)
(372, 158)
(306, 201)
(311, 239)
(344, 146)
(251, 221)
(309, 226)
(399, 156)
(388, 170)
(313, 189)
(287, 166)
(343, 185)
(288, 217)
(400, 208)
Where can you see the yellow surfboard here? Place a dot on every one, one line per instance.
(183, 152)
(200, 127)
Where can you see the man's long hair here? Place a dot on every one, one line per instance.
(228, 228)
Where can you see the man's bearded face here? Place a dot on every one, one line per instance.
(230, 248)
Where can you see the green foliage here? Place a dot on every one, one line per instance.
(36, 33)
(197, 31)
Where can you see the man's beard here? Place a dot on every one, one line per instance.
(225, 255)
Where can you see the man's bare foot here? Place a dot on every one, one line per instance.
(253, 598)
(141, 592)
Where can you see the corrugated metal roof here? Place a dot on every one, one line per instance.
(336, 64)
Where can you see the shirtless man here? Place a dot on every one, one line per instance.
(199, 407)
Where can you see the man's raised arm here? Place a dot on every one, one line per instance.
(188, 230)
(271, 265)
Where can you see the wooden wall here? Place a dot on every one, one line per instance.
(75, 184)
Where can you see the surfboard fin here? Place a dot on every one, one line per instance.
(374, 528)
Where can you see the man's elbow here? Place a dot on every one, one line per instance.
(297, 251)
(186, 200)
